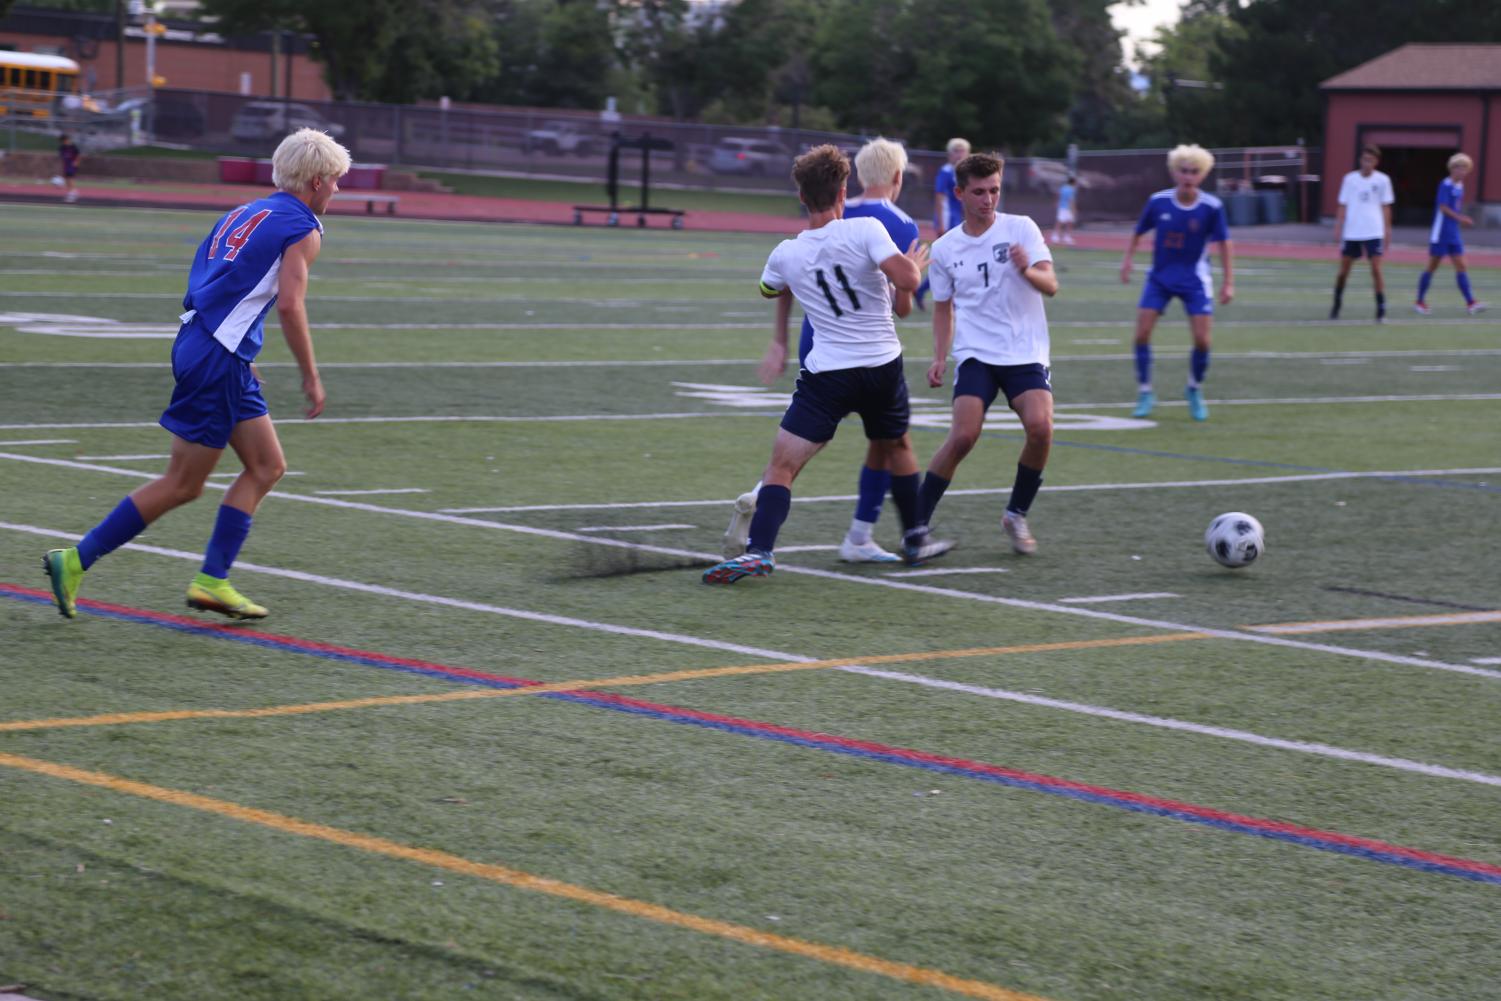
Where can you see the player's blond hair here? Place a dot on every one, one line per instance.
(879, 161)
(957, 145)
(304, 155)
(1461, 160)
(1191, 155)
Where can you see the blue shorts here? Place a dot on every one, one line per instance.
(822, 400)
(1196, 297)
(978, 378)
(215, 390)
(1448, 248)
(1353, 249)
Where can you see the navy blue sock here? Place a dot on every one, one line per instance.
(1463, 278)
(1198, 365)
(931, 493)
(230, 529)
(771, 510)
(904, 495)
(1424, 280)
(1024, 490)
(119, 527)
(1143, 364)
(873, 486)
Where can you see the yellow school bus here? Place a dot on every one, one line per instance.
(34, 85)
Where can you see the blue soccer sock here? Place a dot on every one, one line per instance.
(119, 527)
(1024, 489)
(873, 486)
(1144, 365)
(771, 510)
(230, 529)
(929, 495)
(1198, 366)
(1424, 280)
(904, 496)
(1463, 278)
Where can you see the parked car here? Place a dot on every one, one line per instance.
(738, 155)
(1050, 175)
(163, 117)
(557, 138)
(273, 119)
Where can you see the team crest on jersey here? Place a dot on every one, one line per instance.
(1001, 251)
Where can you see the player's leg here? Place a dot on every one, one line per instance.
(975, 388)
(1462, 279)
(1146, 322)
(1435, 256)
(858, 545)
(1378, 279)
(1200, 325)
(1345, 261)
(1035, 408)
(259, 449)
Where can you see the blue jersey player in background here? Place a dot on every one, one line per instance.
(948, 211)
(1444, 239)
(1186, 221)
(879, 165)
(254, 257)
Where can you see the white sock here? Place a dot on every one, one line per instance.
(859, 532)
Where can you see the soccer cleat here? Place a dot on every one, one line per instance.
(1145, 401)
(865, 552)
(736, 536)
(1476, 308)
(1015, 527)
(65, 571)
(919, 546)
(213, 594)
(1197, 408)
(751, 563)
(1334, 313)
(1421, 308)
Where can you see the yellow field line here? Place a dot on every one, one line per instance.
(694, 674)
(831, 954)
(1389, 622)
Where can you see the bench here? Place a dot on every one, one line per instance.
(370, 199)
(612, 214)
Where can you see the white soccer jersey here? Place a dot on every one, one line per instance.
(834, 271)
(1363, 198)
(998, 315)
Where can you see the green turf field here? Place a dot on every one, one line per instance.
(1090, 775)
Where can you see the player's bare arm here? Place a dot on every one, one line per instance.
(1227, 265)
(774, 361)
(904, 271)
(1339, 224)
(1040, 276)
(1126, 261)
(901, 302)
(943, 337)
(291, 309)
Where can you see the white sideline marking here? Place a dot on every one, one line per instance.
(377, 490)
(631, 528)
(1485, 660)
(1356, 625)
(1167, 723)
(942, 571)
(1094, 599)
(41, 441)
(800, 549)
(992, 491)
(874, 581)
(492, 419)
(434, 599)
(121, 458)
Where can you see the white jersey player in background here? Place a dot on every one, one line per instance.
(1363, 226)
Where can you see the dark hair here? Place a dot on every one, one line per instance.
(1372, 149)
(977, 165)
(821, 173)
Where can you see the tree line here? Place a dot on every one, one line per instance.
(1025, 75)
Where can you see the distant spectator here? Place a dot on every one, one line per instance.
(1363, 225)
(1444, 239)
(1063, 221)
(70, 157)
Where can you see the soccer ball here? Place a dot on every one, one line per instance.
(1235, 539)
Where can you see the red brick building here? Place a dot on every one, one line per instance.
(1421, 104)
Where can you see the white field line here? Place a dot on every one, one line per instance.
(802, 549)
(1304, 747)
(1486, 660)
(1357, 625)
(434, 599)
(870, 581)
(994, 491)
(1167, 723)
(375, 490)
(945, 571)
(633, 528)
(122, 458)
(40, 441)
(1099, 598)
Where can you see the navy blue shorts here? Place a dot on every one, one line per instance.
(215, 390)
(1355, 248)
(1197, 300)
(976, 378)
(822, 400)
(1448, 248)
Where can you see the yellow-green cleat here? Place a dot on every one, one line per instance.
(65, 571)
(213, 594)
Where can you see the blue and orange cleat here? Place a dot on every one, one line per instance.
(751, 563)
(65, 571)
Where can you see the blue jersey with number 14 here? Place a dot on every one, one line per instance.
(234, 277)
(1180, 258)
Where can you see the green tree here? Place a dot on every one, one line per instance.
(1102, 87)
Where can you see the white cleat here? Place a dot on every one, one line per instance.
(737, 536)
(1015, 527)
(865, 552)
(1476, 308)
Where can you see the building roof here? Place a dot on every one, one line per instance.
(1425, 67)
